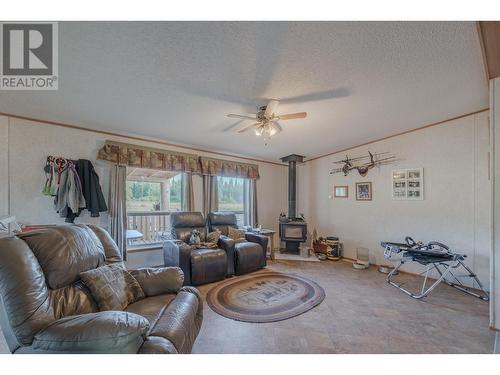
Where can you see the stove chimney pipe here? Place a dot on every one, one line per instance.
(292, 161)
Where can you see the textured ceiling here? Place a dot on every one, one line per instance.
(358, 81)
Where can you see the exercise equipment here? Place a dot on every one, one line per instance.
(434, 256)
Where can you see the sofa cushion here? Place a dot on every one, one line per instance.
(155, 281)
(151, 307)
(112, 286)
(102, 332)
(65, 251)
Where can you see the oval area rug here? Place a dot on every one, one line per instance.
(264, 297)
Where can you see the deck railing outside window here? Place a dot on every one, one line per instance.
(153, 225)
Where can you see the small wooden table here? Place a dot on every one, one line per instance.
(269, 234)
(132, 235)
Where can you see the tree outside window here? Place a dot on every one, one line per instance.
(149, 190)
(231, 196)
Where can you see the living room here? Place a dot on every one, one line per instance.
(249, 187)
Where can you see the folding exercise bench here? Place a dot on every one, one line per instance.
(436, 256)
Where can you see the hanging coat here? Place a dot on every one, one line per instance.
(69, 197)
(91, 189)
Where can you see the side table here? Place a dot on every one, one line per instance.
(269, 234)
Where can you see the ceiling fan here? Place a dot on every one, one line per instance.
(267, 120)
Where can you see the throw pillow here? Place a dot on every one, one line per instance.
(112, 286)
(238, 235)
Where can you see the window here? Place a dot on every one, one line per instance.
(151, 196)
(231, 193)
(148, 190)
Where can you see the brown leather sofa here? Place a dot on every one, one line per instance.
(46, 308)
(200, 266)
(249, 256)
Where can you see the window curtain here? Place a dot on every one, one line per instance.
(187, 192)
(250, 202)
(150, 158)
(228, 168)
(118, 207)
(210, 194)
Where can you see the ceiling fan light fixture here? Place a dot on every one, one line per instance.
(272, 130)
(267, 118)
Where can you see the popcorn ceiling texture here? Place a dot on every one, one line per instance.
(358, 81)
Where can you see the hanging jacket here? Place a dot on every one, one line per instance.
(91, 190)
(69, 197)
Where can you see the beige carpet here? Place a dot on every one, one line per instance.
(360, 314)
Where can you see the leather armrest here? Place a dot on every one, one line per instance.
(257, 238)
(227, 244)
(177, 253)
(155, 281)
(101, 332)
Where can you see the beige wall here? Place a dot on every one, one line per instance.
(30, 143)
(456, 206)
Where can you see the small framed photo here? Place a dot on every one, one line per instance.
(408, 184)
(399, 175)
(341, 191)
(363, 191)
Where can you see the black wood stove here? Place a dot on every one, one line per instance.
(293, 230)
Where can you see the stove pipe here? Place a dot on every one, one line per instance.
(292, 161)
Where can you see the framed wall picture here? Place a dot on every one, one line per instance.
(408, 184)
(363, 191)
(341, 191)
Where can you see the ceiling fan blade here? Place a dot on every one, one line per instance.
(246, 117)
(248, 127)
(277, 126)
(292, 116)
(233, 125)
(271, 108)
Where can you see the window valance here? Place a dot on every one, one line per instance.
(228, 168)
(145, 157)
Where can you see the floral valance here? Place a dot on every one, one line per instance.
(145, 157)
(227, 168)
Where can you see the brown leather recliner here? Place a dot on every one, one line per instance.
(249, 256)
(200, 266)
(46, 308)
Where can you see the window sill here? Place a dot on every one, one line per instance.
(146, 247)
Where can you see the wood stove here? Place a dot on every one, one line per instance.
(293, 230)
